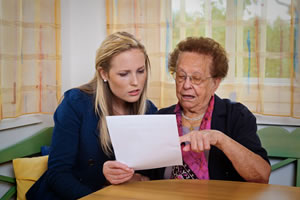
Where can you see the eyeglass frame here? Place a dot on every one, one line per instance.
(201, 81)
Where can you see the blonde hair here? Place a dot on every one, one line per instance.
(113, 45)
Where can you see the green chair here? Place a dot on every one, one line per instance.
(27, 147)
(296, 133)
(280, 143)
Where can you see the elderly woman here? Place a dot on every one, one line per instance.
(219, 136)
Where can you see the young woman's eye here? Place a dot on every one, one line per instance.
(141, 71)
(123, 74)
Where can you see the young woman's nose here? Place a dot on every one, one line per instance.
(134, 79)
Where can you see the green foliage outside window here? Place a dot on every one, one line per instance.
(218, 33)
(277, 68)
(277, 44)
(278, 36)
(253, 72)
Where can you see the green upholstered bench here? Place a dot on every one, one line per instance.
(27, 147)
(283, 144)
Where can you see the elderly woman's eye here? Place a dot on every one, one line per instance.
(197, 78)
(181, 77)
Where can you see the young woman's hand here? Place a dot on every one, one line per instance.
(116, 172)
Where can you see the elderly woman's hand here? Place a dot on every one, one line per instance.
(116, 172)
(201, 140)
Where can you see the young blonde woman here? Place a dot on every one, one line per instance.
(81, 159)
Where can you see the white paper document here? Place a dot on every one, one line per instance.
(145, 141)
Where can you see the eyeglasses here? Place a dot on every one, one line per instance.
(195, 78)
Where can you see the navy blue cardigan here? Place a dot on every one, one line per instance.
(236, 121)
(76, 157)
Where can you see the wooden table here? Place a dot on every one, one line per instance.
(195, 189)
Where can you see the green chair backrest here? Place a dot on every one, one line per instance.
(27, 147)
(280, 143)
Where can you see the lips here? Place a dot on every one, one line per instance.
(134, 92)
(188, 97)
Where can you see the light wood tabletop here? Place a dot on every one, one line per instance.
(195, 189)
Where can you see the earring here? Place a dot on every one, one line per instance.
(105, 80)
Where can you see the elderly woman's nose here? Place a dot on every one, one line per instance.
(187, 82)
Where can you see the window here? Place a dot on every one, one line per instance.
(30, 57)
(261, 38)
